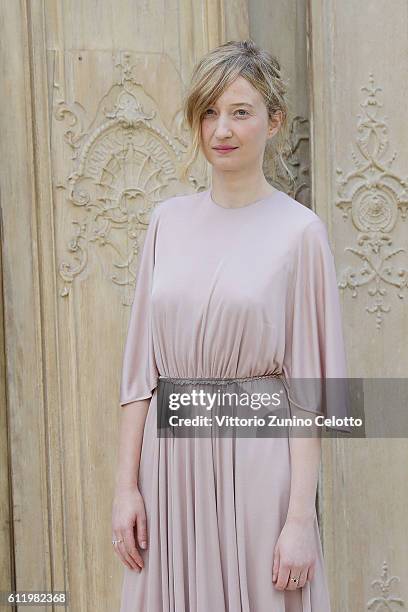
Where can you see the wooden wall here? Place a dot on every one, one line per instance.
(92, 137)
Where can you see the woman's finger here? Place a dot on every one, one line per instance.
(141, 527)
(295, 572)
(121, 551)
(302, 578)
(121, 547)
(283, 576)
(311, 573)
(275, 567)
(130, 546)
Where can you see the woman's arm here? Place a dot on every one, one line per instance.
(132, 423)
(305, 461)
(138, 381)
(128, 505)
(295, 551)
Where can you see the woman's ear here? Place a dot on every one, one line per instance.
(275, 122)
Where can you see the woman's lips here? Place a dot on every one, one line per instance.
(227, 150)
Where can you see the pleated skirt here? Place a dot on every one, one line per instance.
(215, 507)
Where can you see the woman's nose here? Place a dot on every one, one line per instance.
(222, 129)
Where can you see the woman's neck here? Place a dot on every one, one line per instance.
(240, 193)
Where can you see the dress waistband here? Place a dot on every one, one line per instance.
(217, 381)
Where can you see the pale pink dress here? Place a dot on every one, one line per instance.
(225, 293)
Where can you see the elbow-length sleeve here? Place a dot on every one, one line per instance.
(139, 370)
(315, 365)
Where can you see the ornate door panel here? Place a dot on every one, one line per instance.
(92, 139)
(359, 158)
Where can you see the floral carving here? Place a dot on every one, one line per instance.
(385, 601)
(124, 161)
(296, 156)
(375, 197)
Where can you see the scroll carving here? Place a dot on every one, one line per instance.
(374, 198)
(124, 161)
(385, 601)
(296, 156)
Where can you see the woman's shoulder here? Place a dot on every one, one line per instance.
(297, 214)
(308, 230)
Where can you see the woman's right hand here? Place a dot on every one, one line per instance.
(129, 513)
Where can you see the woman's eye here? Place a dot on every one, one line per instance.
(245, 112)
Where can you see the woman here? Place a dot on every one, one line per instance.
(236, 282)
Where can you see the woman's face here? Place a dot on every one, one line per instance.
(238, 119)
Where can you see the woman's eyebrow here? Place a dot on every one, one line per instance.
(240, 104)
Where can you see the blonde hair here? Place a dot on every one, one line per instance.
(213, 74)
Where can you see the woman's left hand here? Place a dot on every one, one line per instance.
(295, 554)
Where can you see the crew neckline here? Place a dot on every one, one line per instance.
(251, 205)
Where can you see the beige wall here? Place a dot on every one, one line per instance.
(91, 140)
(359, 132)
